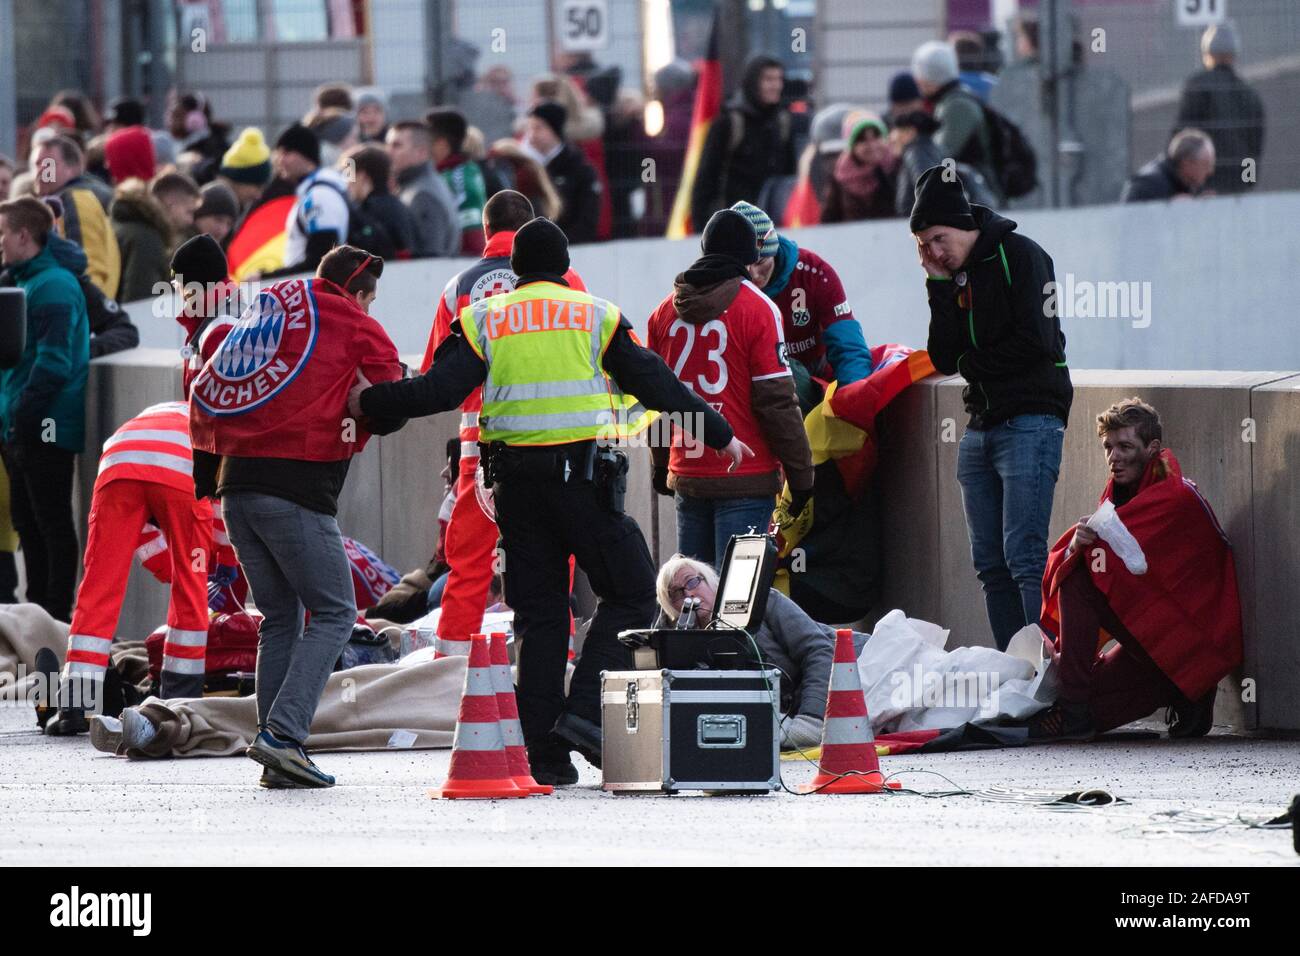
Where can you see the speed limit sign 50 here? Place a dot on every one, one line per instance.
(582, 25)
(1200, 13)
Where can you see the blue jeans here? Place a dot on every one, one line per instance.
(1007, 476)
(435, 592)
(705, 525)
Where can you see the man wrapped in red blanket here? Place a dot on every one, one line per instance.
(1152, 569)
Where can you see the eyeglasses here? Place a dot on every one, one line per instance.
(693, 582)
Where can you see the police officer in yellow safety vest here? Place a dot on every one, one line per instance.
(558, 368)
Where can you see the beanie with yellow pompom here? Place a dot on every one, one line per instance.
(248, 160)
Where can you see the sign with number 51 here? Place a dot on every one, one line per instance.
(1200, 13)
(582, 25)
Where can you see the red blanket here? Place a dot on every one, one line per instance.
(1185, 611)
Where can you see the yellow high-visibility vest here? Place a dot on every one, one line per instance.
(542, 345)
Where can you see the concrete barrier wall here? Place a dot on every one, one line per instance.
(1236, 434)
(1215, 271)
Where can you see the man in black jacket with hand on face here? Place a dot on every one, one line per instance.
(993, 320)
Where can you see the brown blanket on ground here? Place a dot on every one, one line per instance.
(24, 630)
(375, 707)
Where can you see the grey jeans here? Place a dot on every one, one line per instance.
(294, 559)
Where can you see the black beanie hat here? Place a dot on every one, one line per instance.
(200, 260)
(553, 114)
(940, 202)
(540, 247)
(730, 233)
(299, 139)
(125, 111)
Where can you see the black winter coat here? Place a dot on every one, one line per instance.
(995, 323)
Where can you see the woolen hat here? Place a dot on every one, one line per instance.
(935, 62)
(764, 228)
(903, 88)
(125, 111)
(200, 260)
(729, 233)
(940, 201)
(129, 153)
(552, 114)
(299, 139)
(217, 200)
(540, 246)
(1221, 39)
(248, 160)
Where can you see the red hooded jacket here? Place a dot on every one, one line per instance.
(278, 385)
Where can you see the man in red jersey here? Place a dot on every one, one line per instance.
(471, 537)
(723, 339)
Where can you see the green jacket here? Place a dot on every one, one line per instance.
(49, 384)
(144, 237)
(465, 180)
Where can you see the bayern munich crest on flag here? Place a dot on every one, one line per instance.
(262, 354)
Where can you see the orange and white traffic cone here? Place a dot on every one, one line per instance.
(511, 731)
(848, 762)
(479, 767)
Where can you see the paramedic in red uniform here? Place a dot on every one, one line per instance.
(723, 339)
(824, 339)
(145, 472)
(471, 538)
(1152, 569)
(146, 475)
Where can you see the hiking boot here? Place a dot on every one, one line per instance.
(1062, 721)
(106, 734)
(288, 758)
(582, 735)
(1192, 718)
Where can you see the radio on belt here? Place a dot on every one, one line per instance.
(699, 711)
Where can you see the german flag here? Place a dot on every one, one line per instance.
(834, 535)
(259, 245)
(708, 103)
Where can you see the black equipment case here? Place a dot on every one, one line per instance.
(671, 730)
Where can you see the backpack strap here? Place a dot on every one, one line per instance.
(302, 225)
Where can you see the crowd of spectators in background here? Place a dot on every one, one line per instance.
(414, 186)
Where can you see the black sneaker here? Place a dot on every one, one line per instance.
(554, 773)
(47, 705)
(288, 759)
(582, 735)
(274, 780)
(68, 722)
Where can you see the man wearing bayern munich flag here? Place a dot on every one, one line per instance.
(273, 439)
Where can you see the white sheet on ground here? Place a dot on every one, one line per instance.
(419, 635)
(912, 683)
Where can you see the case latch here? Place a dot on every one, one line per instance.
(633, 708)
